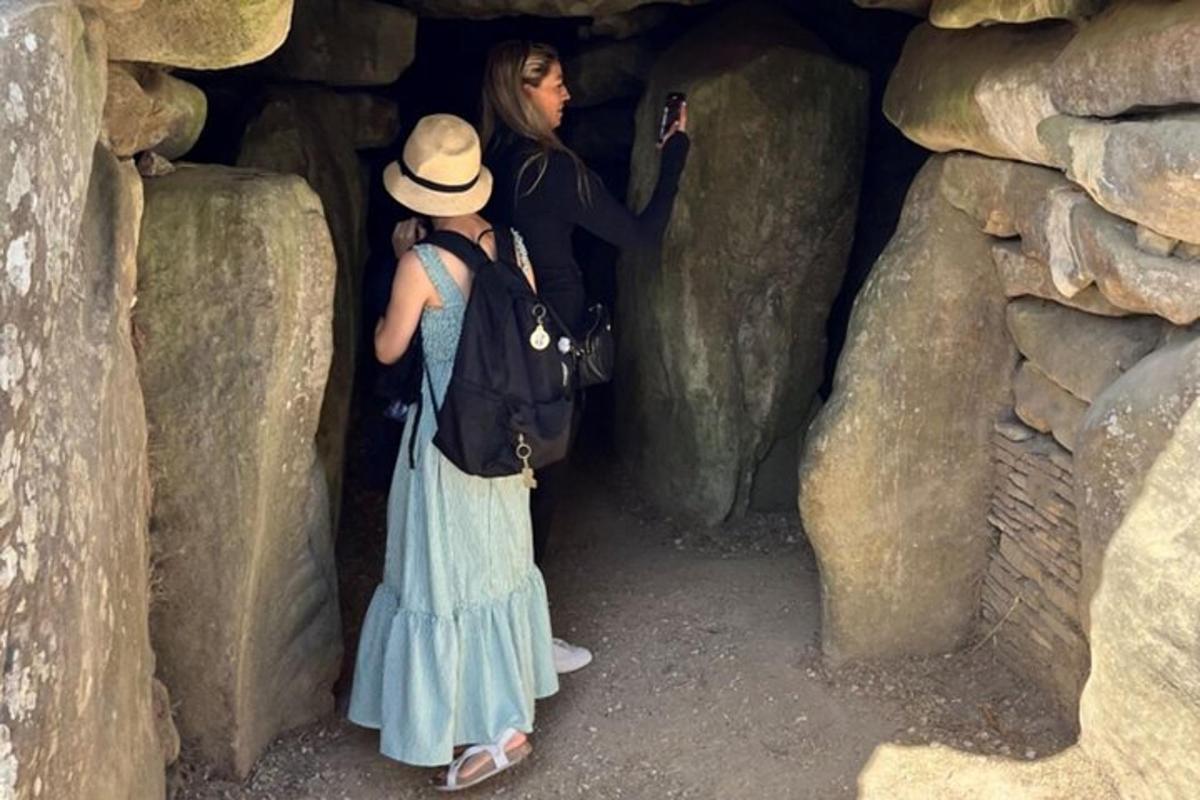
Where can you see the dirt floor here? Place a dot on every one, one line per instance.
(707, 683)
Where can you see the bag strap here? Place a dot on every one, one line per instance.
(412, 436)
(467, 251)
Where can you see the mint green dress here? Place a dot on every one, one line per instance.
(456, 643)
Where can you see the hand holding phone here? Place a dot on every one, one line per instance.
(674, 116)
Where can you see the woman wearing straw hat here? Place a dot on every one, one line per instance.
(456, 643)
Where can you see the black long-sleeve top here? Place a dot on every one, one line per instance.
(547, 214)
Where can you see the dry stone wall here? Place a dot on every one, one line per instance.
(1087, 587)
(1031, 586)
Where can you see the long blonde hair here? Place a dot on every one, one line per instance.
(511, 66)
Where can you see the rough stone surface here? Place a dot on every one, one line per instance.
(200, 34)
(917, 8)
(375, 122)
(1140, 711)
(1082, 353)
(147, 108)
(1047, 407)
(609, 71)
(311, 133)
(901, 559)
(969, 13)
(896, 772)
(981, 90)
(1144, 170)
(235, 292)
(630, 23)
(1165, 285)
(1080, 242)
(1122, 435)
(76, 717)
(347, 43)
(722, 334)
(1024, 275)
(1136, 54)
(489, 9)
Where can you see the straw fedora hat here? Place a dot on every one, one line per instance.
(440, 173)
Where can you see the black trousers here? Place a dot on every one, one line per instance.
(552, 485)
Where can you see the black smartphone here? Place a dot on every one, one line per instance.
(671, 111)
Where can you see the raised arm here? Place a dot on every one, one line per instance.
(411, 291)
(608, 218)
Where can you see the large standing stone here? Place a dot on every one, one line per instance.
(900, 556)
(1140, 710)
(201, 34)
(347, 43)
(235, 296)
(1024, 275)
(1144, 170)
(969, 13)
(76, 718)
(722, 334)
(1122, 435)
(981, 89)
(313, 133)
(1081, 352)
(148, 109)
(1137, 53)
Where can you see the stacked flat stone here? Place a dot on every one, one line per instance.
(1031, 587)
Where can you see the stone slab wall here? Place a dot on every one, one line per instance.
(1030, 596)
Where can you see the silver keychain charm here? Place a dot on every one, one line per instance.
(539, 340)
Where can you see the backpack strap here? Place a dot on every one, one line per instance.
(469, 252)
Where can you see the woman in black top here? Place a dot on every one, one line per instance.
(544, 190)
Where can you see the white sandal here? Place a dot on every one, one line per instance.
(502, 759)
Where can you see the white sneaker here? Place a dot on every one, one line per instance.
(568, 657)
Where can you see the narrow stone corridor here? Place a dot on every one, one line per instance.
(707, 683)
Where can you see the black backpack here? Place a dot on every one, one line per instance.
(508, 406)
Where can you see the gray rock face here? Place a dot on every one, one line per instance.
(1082, 353)
(982, 90)
(1122, 435)
(969, 13)
(900, 558)
(347, 43)
(1147, 171)
(147, 108)
(76, 718)
(1023, 275)
(1139, 711)
(313, 133)
(200, 34)
(1045, 406)
(235, 296)
(1136, 54)
(722, 336)
(917, 8)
